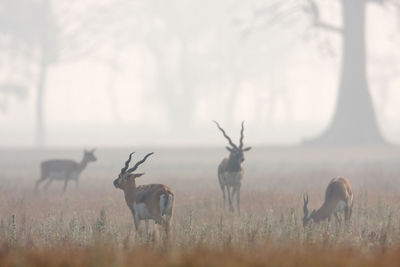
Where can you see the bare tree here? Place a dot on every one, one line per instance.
(51, 36)
(114, 67)
(354, 120)
(171, 31)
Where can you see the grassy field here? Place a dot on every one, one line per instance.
(93, 226)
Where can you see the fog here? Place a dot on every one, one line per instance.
(136, 73)
(218, 133)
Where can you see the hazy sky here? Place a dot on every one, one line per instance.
(287, 80)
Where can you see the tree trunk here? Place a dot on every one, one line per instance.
(112, 80)
(41, 86)
(354, 121)
(179, 103)
(231, 104)
(183, 106)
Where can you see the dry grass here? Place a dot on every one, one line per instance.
(266, 255)
(93, 227)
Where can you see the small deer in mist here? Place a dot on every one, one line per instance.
(230, 170)
(146, 202)
(64, 170)
(339, 196)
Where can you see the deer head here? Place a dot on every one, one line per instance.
(88, 155)
(236, 152)
(128, 176)
(306, 218)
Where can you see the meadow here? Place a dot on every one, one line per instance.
(92, 226)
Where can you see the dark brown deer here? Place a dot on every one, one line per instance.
(339, 196)
(230, 170)
(146, 202)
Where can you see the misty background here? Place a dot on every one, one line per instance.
(118, 73)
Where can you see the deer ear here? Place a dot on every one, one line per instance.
(247, 148)
(229, 149)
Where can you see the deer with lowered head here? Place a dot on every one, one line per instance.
(146, 202)
(339, 197)
(230, 170)
(64, 170)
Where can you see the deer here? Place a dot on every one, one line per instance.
(339, 197)
(146, 202)
(64, 170)
(230, 170)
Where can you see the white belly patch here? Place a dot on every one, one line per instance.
(141, 211)
(231, 178)
(341, 205)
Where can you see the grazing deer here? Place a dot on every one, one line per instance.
(146, 202)
(339, 196)
(230, 170)
(64, 169)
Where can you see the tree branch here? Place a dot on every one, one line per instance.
(268, 16)
(313, 10)
(328, 27)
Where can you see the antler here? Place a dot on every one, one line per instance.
(225, 135)
(305, 209)
(140, 162)
(123, 170)
(241, 136)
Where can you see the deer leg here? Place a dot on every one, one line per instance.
(43, 176)
(229, 199)
(350, 211)
(238, 198)
(168, 217)
(158, 219)
(38, 182)
(338, 219)
(234, 192)
(147, 227)
(47, 184)
(156, 215)
(65, 184)
(222, 186)
(223, 194)
(136, 222)
(137, 232)
(168, 220)
(347, 213)
(76, 184)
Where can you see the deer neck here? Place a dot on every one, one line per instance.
(324, 211)
(130, 193)
(233, 165)
(82, 165)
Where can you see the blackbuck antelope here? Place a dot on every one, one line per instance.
(338, 197)
(146, 202)
(230, 170)
(64, 170)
